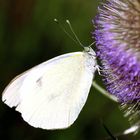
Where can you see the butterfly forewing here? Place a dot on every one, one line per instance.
(52, 94)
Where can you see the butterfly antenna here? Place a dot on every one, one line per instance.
(77, 39)
(64, 30)
(91, 44)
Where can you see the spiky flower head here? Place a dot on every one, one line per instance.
(117, 35)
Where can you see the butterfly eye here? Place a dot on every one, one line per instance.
(87, 49)
(90, 51)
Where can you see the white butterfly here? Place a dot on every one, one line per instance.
(52, 94)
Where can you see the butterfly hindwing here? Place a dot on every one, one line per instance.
(52, 94)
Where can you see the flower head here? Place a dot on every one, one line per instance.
(117, 37)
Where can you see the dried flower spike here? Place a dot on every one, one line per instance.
(117, 34)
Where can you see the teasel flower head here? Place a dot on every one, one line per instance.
(117, 35)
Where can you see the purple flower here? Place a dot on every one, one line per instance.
(117, 34)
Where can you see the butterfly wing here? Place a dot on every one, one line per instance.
(52, 94)
(11, 95)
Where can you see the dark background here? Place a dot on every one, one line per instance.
(29, 36)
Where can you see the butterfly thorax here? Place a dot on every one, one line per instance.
(90, 56)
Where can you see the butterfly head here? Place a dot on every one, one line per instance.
(90, 56)
(90, 51)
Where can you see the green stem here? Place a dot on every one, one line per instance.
(104, 92)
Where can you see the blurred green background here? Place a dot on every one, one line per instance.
(29, 36)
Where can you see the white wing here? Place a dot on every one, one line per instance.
(52, 94)
(11, 95)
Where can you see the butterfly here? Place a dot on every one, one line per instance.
(52, 94)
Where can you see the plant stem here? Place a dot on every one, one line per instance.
(104, 92)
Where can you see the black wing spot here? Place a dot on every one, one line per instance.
(39, 81)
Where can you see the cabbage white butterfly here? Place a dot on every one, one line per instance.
(52, 94)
